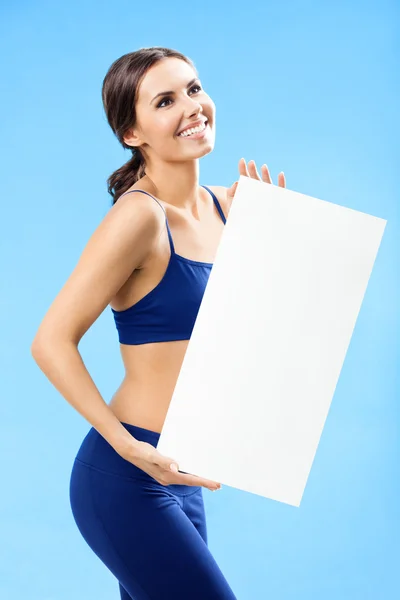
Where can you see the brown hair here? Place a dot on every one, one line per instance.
(119, 94)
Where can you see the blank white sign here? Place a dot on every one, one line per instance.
(270, 340)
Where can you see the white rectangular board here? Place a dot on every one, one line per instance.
(270, 339)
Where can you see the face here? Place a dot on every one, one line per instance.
(162, 116)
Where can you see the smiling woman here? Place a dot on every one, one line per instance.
(146, 112)
(149, 260)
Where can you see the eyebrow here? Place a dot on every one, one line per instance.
(191, 82)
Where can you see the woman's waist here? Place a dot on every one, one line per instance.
(152, 390)
(143, 403)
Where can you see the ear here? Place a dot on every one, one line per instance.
(132, 138)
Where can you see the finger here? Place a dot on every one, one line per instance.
(232, 189)
(253, 170)
(243, 168)
(266, 177)
(207, 483)
(165, 462)
(186, 478)
(281, 179)
(189, 479)
(172, 467)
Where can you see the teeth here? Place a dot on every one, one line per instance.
(188, 132)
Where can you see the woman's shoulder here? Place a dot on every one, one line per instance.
(221, 193)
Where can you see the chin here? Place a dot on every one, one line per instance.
(206, 149)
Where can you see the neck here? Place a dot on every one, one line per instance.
(176, 183)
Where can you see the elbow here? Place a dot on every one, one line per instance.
(44, 347)
(40, 347)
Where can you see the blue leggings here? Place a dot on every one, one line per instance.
(153, 538)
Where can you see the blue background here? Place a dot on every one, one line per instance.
(310, 88)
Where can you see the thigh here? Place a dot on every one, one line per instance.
(142, 534)
(193, 507)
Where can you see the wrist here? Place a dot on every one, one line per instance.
(128, 447)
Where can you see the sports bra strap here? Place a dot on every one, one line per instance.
(217, 204)
(171, 242)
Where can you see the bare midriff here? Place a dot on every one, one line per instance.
(151, 373)
(152, 369)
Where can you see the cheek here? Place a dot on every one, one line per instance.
(165, 127)
(209, 108)
(163, 132)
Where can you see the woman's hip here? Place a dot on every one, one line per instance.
(97, 454)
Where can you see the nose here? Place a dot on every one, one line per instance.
(192, 107)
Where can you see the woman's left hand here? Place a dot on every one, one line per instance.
(251, 171)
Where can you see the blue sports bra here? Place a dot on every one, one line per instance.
(169, 311)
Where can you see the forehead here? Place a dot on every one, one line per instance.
(166, 74)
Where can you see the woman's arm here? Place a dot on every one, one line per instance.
(119, 245)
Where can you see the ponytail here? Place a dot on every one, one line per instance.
(124, 177)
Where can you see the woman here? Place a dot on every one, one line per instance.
(150, 259)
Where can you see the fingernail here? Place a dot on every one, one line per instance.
(173, 467)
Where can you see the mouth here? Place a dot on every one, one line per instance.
(194, 133)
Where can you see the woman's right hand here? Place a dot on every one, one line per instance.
(147, 458)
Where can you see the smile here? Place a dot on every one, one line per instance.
(194, 132)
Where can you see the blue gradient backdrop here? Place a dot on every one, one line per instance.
(308, 87)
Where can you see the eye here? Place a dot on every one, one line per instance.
(196, 86)
(159, 105)
(168, 99)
